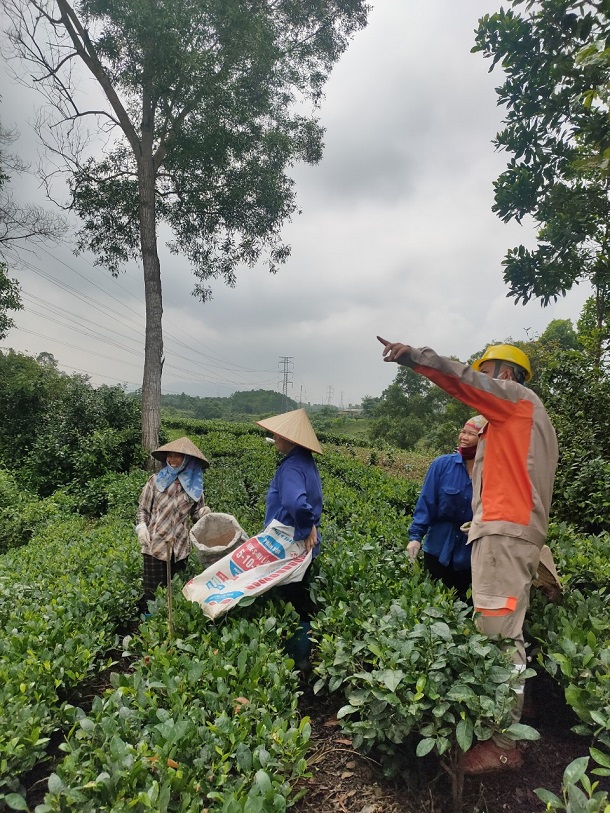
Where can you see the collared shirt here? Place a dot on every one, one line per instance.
(168, 516)
(443, 505)
(295, 494)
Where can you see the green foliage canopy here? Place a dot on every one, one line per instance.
(246, 402)
(578, 401)
(204, 102)
(56, 429)
(414, 412)
(556, 68)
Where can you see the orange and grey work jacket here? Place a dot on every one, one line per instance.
(517, 453)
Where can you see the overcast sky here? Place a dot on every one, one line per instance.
(396, 237)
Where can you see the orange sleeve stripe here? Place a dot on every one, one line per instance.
(509, 607)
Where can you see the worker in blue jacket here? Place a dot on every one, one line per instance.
(294, 498)
(443, 506)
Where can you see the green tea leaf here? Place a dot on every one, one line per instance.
(263, 781)
(425, 746)
(464, 733)
(15, 801)
(391, 678)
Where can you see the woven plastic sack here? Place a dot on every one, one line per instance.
(269, 559)
(215, 535)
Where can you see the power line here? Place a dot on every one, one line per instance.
(212, 364)
(210, 354)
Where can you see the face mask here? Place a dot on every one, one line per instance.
(467, 452)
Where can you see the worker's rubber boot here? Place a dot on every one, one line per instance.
(487, 757)
(299, 647)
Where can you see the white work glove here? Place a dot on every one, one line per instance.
(143, 535)
(413, 549)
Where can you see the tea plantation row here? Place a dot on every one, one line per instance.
(208, 719)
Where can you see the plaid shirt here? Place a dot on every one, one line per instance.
(166, 514)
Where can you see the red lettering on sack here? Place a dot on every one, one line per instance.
(251, 554)
(276, 573)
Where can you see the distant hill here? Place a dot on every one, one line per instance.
(248, 402)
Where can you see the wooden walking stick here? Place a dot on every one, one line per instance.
(170, 619)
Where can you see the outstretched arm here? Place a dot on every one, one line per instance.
(492, 398)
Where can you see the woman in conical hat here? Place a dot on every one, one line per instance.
(170, 502)
(295, 498)
(295, 494)
(294, 427)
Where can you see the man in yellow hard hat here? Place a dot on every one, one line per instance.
(512, 486)
(505, 356)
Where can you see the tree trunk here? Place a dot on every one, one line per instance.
(153, 348)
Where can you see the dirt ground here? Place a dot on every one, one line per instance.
(345, 781)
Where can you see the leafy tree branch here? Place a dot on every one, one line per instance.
(205, 97)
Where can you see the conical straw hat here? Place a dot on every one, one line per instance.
(294, 426)
(181, 446)
(546, 567)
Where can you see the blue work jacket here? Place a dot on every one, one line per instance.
(295, 494)
(445, 503)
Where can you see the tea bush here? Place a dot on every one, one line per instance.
(207, 722)
(61, 598)
(21, 512)
(113, 493)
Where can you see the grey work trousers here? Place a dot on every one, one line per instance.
(503, 569)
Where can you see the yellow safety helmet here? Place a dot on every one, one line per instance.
(507, 353)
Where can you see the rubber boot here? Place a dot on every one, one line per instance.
(299, 647)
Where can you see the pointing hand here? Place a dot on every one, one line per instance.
(393, 350)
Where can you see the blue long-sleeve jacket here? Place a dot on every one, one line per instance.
(445, 503)
(295, 494)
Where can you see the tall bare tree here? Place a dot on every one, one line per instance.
(21, 221)
(204, 111)
(18, 222)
